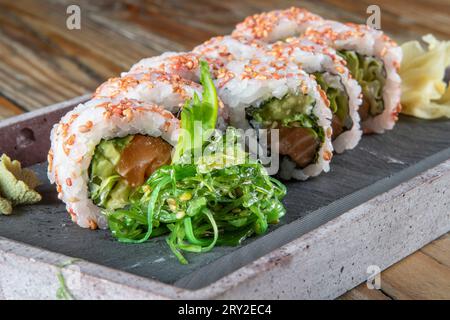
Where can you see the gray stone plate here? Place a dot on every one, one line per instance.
(376, 165)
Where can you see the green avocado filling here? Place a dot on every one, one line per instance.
(289, 111)
(371, 75)
(107, 188)
(338, 101)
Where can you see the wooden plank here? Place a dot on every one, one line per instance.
(417, 277)
(42, 62)
(361, 292)
(8, 108)
(439, 250)
(424, 283)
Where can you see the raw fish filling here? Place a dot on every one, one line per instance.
(300, 135)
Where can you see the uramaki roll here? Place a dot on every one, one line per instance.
(264, 91)
(372, 57)
(152, 83)
(329, 69)
(103, 150)
(331, 73)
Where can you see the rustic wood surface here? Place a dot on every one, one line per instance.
(42, 62)
(423, 275)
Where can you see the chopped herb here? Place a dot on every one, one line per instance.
(63, 292)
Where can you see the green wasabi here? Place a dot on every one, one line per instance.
(16, 185)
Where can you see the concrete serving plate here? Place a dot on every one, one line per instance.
(379, 203)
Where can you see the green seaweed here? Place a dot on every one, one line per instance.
(202, 201)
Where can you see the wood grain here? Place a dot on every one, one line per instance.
(439, 250)
(361, 292)
(42, 62)
(423, 275)
(417, 277)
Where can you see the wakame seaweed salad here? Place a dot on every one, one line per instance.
(219, 197)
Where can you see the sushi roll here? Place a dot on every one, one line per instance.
(183, 64)
(374, 61)
(331, 73)
(372, 57)
(329, 69)
(271, 95)
(168, 90)
(103, 150)
(201, 200)
(268, 92)
(276, 25)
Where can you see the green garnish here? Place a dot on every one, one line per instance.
(371, 76)
(63, 292)
(285, 111)
(202, 201)
(198, 117)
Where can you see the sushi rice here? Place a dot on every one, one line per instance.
(168, 90)
(248, 77)
(75, 137)
(324, 61)
(367, 43)
(223, 53)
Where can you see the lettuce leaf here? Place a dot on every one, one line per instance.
(371, 76)
(198, 118)
(338, 100)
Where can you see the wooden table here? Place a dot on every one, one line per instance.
(43, 62)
